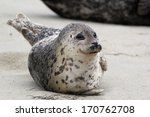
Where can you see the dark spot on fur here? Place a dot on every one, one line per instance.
(71, 59)
(61, 68)
(77, 66)
(67, 77)
(70, 64)
(57, 73)
(55, 59)
(79, 78)
(62, 51)
(63, 60)
(94, 86)
(65, 64)
(62, 80)
(71, 81)
(70, 69)
(90, 84)
(56, 82)
(80, 61)
(90, 76)
(87, 83)
(70, 36)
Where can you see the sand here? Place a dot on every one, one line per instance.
(127, 49)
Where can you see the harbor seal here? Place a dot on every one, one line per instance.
(67, 60)
(127, 12)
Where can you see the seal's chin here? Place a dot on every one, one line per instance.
(91, 50)
(94, 49)
(94, 52)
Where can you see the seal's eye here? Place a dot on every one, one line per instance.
(94, 35)
(80, 36)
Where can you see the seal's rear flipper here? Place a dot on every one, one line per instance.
(143, 7)
(31, 31)
(19, 22)
(28, 29)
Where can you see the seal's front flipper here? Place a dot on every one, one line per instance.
(143, 7)
(93, 92)
(103, 63)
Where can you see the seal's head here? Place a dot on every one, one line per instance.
(81, 37)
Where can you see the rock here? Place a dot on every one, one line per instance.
(110, 11)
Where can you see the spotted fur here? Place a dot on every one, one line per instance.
(66, 61)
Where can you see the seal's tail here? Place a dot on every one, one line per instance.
(31, 31)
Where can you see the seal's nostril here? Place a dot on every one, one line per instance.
(100, 47)
(95, 43)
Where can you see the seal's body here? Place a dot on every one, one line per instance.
(143, 7)
(67, 61)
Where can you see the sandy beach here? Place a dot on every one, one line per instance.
(127, 49)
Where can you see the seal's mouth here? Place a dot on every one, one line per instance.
(95, 48)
